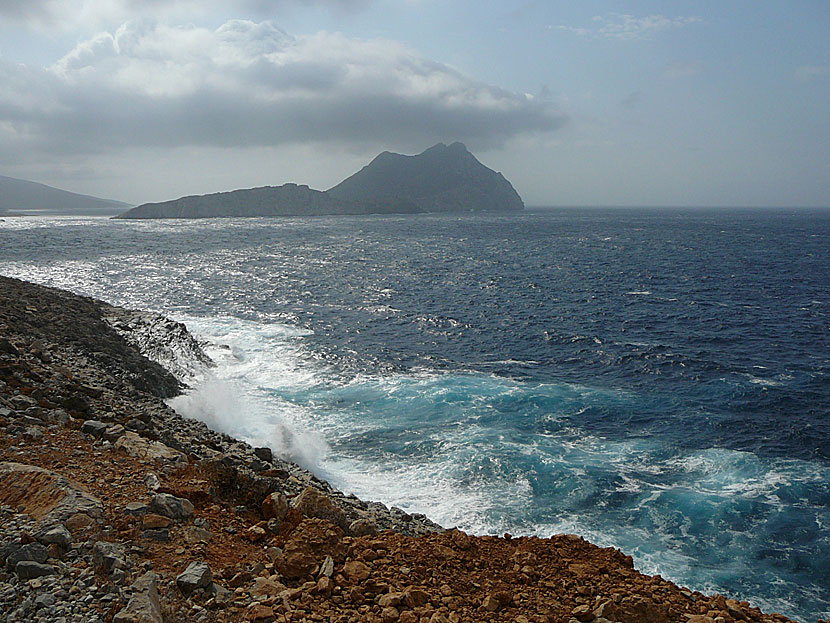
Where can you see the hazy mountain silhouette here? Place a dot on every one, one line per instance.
(441, 179)
(24, 197)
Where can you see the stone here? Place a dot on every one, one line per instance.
(45, 495)
(144, 605)
(32, 552)
(390, 599)
(408, 617)
(195, 534)
(275, 506)
(313, 503)
(197, 575)
(93, 427)
(108, 556)
(497, 600)
(152, 521)
(135, 445)
(583, 614)
(55, 533)
(171, 506)
(260, 613)
(325, 586)
(28, 569)
(264, 454)
(415, 597)
(356, 571)
(363, 527)
(267, 587)
(112, 433)
(136, 509)
(327, 568)
(309, 543)
(255, 534)
(389, 614)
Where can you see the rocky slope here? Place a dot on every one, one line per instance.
(114, 508)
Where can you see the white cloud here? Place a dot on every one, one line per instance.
(249, 84)
(624, 27)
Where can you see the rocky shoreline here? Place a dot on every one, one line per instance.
(115, 508)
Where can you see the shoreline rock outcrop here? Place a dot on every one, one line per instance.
(115, 508)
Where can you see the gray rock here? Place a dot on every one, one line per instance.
(112, 433)
(136, 509)
(28, 569)
(171, 506)
(95, 428)
(363, 527)
(32, 552)
(44, 600)
(107, 556)
(55, 533)
(144, 605)
(197, 575)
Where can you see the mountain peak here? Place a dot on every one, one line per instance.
(442, 178)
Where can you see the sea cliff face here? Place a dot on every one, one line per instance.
(113, 507)
(441, 179)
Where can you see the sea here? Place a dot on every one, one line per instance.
(656, 380)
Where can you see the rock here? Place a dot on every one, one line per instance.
(78, 522)
(325, 586)
(28, 569)
(144, 605)
(415, 597)
(112, 433)
(197, 575)
(264, 454)
(135, 445)
(194, 534)
(152, 481)
(267, 587)
(93, 427)
(108, 556)
(255, 534)
(389, 614)
(497, 600)
(390, 599)
(408, 617)
(327, 568)
(260, 613)
(55, 533)
(363, 527)
(313, 503)
(583, 614)
(309, 544)
(698, 618)
(171, 506)
(356, 571)
(16, 552)
(152, 521)
(136, 509)
(44, 494)
(275, 506)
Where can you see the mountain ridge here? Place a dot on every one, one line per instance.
(20, 197)
(442, 178)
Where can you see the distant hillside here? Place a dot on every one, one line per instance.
(23, 197)
(285, 200)
(441, 179)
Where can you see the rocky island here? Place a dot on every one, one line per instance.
(441, 179)
(115, 508)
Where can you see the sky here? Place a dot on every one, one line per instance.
(705, 103)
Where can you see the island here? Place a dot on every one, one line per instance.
(444, 178)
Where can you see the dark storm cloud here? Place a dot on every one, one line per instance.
(249, 84)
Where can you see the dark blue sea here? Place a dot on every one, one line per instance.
(657, 380)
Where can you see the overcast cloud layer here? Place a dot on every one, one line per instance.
(248, 84)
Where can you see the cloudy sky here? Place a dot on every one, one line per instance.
(577, 103)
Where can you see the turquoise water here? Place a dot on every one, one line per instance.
(655, 380)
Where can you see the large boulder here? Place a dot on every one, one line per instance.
(314, 503)
(44, 494)
(144, 605)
